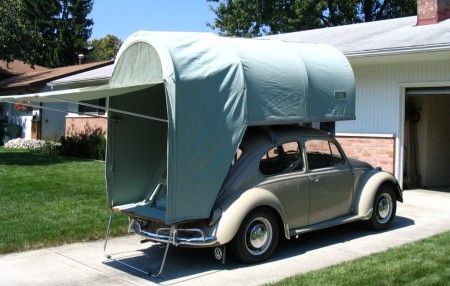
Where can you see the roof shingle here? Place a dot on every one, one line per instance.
(372, 37)
(42, 76)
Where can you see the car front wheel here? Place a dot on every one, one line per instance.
(384, 208)
(257, 237)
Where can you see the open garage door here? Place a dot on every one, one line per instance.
(427, 137)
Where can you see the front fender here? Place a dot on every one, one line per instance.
(235, 213)
(368, 188)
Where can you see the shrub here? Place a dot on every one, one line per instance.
(50, 148)
(91, 143)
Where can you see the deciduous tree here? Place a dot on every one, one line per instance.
(250, 18)
(103, 49)
(17, 36)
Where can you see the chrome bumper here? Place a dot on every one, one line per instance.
(174, 235)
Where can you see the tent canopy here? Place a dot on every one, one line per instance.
(209, 89)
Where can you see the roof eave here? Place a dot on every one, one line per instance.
(401, 54)
(81, 82)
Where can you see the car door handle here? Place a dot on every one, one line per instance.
(314, 179)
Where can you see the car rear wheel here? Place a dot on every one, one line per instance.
(257, 237)
(384, 208)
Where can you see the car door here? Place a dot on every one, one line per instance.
(284, 169)
(330, 181)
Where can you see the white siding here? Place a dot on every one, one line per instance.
(53, 122)
(378, 93)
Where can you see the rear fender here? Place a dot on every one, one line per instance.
(233, 215)
(368, 188)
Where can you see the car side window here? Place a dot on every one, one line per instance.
(322, 154)
(284, 158)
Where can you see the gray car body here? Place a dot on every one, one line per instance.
(303, 200)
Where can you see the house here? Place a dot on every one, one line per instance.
(17, 78)
(78, 117)
(402, 72)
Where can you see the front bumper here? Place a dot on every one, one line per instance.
(192, 237)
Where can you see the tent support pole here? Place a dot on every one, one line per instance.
(108, 109)
(108, 256)
(87, 114)
(56, 109)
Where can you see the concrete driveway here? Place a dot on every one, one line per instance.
(423, 214)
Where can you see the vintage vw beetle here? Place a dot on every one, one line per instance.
(288, 180)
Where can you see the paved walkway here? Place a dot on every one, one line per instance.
(423, 214)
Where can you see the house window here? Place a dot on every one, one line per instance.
(91, 110)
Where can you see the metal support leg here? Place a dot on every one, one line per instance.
(108, 229)
(172, 230)
(172, 233)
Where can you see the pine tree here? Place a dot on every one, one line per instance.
(64, 26)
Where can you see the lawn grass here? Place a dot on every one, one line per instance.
(49, 200)
(425, 262)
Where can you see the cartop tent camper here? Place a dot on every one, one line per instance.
(179, 107)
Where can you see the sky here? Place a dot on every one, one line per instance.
(124, 17)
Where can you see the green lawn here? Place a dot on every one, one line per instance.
(425, 262)
(48, 200)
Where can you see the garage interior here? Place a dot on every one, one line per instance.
(427, 138)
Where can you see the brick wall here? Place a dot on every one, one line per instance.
(79, 125)
(377, 151)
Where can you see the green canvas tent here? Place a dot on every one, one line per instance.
(179, 104)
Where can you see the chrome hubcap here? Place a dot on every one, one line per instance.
(384, 208)
(259, 236)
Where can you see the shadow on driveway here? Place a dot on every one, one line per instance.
(187, 263)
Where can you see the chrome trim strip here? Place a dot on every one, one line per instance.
(330, 223)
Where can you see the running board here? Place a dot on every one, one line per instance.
(330, 223)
